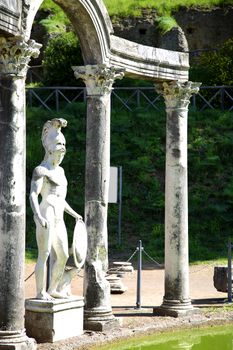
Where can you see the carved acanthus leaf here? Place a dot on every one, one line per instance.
(15, 55)
(177, 94)
(98, 78)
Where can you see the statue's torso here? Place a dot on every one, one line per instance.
(54, 190)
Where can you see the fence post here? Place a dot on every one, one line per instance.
(229, 273)
(120, 203)
(222, 98)
(139, 275)
(57, 100)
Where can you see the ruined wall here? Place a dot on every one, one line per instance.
(204, 29)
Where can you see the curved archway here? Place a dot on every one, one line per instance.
(91, 23)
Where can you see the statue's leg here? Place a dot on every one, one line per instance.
(44, 242)
(60, 246)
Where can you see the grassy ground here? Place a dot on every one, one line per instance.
(133, 7)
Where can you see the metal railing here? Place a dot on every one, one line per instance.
(128, 98)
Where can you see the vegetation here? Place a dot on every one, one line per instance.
(166, 23)
(61, 53)
(138, 144)
(134, 7)
(56, 21)
(216, 67)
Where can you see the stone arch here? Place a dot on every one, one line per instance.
(99, 45)
(91, 23)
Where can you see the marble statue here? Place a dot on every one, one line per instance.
(49, 181)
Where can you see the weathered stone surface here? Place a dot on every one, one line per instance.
(49, 181)
(13, 340)
(205, 28)
(174, 40)
(148, 62)
(15, 55)
(177, 98)
(99, 46)
(98, 80)
(9, 16)
(116, 284)
(50, 321)
(220, 278)
(12, 189)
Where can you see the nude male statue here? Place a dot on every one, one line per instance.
(49, 181)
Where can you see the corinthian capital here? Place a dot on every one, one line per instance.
(177, 94)
(98, 78)
(15, 55)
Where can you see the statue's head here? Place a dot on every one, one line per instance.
(52, 138)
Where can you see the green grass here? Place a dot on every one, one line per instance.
(134, 7)
(30, 255)
(138, 145)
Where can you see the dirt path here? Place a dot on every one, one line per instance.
(136, 321)
(201, 286)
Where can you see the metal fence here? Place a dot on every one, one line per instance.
(128, 98)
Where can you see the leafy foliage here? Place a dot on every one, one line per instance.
(138, 145)
(166, 23)
(61, 53)
(215, 68)
(56, 21)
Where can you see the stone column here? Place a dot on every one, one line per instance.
(176, 299)
(99, 80)
(14, 57)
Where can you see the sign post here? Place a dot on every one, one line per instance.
(115, 195)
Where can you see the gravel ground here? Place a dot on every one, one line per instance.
(133, 322)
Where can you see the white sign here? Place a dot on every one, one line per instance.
(113, 185)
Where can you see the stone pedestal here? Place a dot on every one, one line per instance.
(116, 285)
(99, 80)
(176, 299)
(14, 340)
(53, 320)
(221, 278)
(14, 57)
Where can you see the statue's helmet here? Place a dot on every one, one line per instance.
(52, 137)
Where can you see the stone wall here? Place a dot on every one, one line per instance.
(204, 29)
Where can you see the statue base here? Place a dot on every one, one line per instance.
(16, 340)
(100, 321)
(53, 320)
(175, 308)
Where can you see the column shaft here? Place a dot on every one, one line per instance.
(97, 290)
(176, 208)
(12, 203)
(14, 56)
(176, 298)
(98, 79)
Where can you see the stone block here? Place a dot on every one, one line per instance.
(220, 278)
(16, 340)
(102, 325)
(116, 285)
(53, 320)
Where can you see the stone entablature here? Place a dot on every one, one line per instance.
(9, 20)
